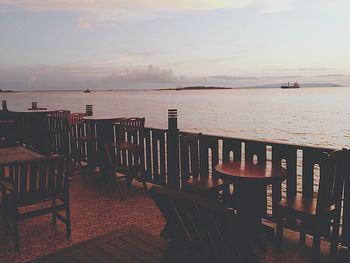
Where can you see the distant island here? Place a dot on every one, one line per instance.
(200, 88)
(1, 90)
(266, 86)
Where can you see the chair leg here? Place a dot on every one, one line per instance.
(316, 245)
(334, 238)
(119, 189)
(68, 223)
(302, 236)
(54, 211)
(279, 233)
(16, 234)
(4, 215)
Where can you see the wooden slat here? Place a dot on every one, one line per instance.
(118, 254)
(140, 243)
(132, 249)
(131, 245)
(100, 255)
(234, 146)
(83, 257)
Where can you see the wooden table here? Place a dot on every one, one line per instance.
(105, 135)
(17, 153)
(130, 245)
(250, 182)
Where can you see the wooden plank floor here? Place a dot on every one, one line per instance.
(130, 245)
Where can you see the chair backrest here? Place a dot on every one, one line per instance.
(190, 160)
(76, 118)
(40, 178)
(130, 130)
(202, 226)
(58, 132)
(332, 180)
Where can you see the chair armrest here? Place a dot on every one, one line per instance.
(6, 184)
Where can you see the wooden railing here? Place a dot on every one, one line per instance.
(303, 165)
(162, 155)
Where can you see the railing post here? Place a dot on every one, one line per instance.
(4, 105)
(173, 170)
(89, 111)
(34, 105)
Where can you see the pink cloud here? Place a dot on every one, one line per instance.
(84, 23)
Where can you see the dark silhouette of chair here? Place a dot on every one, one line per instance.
(127, 151)
(315, 213)
(32, 182)
(83, 144)
(208, 231)
(58, 132)
(208, 186)
(117, 172)
(8, 133)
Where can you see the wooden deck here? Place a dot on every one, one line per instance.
(130, 245)
(106, 213)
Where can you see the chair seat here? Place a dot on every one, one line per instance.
(206, 183)
(301, 206)
(27, 198)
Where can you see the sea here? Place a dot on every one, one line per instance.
(306, 116)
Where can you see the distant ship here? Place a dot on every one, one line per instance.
(294, 85)
(87, 91)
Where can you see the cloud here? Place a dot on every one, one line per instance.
(201, 61)
(84, 23)
(85, 5)
(75, 77)
(333, 75)
(119, 9)
(150, 74)
(228, 77)
(311, 69)
(271, 6)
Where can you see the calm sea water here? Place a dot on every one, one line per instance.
(309, 116)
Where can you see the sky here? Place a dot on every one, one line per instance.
(120, 44)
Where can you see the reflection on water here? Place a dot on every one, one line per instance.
(311, 116)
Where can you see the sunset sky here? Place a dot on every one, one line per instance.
(120, 44)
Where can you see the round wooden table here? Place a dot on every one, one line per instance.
(250, 182)
(105, 135)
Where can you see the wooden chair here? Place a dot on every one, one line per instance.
(83, 144)
(127, 151)
(116, 171)
(58, 132)
(210, 187)
(315, 213)
(8, 133)
(32, 182)
(208, 231)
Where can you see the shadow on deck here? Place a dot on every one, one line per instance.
(96, 211)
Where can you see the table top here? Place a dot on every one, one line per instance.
(17, 153)
(102, 117)
(5, 122)
(128, 245)
(247, 171)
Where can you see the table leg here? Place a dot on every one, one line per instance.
(251, 204)
(105, 136)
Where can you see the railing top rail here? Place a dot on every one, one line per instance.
(271, 143)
